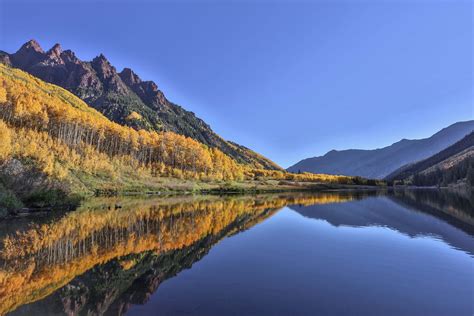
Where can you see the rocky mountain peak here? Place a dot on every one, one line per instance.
(101, 59)
(129, 77)
(151, 85)
(28, 54)
(69, 56)
(103, 67)
(53, 56)
(31, 45)
(108, 75)
(55, 51)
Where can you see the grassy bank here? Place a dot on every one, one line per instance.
(30, 190)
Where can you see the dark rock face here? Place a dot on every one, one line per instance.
(108, 76)
(146, 90)
(117, 95)
(29, 54)
(5, 58)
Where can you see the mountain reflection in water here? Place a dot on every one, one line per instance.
(101, 259)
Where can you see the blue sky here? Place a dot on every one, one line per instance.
(288, 79)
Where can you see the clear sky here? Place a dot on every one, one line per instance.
(288, 79)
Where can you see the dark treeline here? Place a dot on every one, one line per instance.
(418, 167)
(459, 172)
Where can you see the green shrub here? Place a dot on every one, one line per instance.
(8, 201)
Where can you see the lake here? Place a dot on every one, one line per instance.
(334, 253)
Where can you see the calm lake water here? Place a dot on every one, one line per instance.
(340, 253)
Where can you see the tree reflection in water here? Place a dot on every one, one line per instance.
(100, 258)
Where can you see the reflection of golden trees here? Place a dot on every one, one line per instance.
(45, 257)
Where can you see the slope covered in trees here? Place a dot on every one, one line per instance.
(48, 123)
(123, 97)
(53, 140)
(450, 165)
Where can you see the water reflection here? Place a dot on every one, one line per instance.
(416, 213)
(456, 207)
(114, 253)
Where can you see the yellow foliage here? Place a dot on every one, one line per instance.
(133, 116)
(63, 133)
(5, 140)
(45, 257)
(41, 112)
(3, 95)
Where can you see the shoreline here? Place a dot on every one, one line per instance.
(72, 202)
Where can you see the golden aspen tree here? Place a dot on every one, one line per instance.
(5, 141)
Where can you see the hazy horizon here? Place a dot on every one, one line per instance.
(290, 81)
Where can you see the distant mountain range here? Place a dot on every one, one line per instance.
(379, 163)
(122, 96)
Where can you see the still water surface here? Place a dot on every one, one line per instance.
(370, 253)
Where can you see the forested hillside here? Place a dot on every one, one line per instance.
(451, 165)
(53, 141)
(48, 116)
(123, 97)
